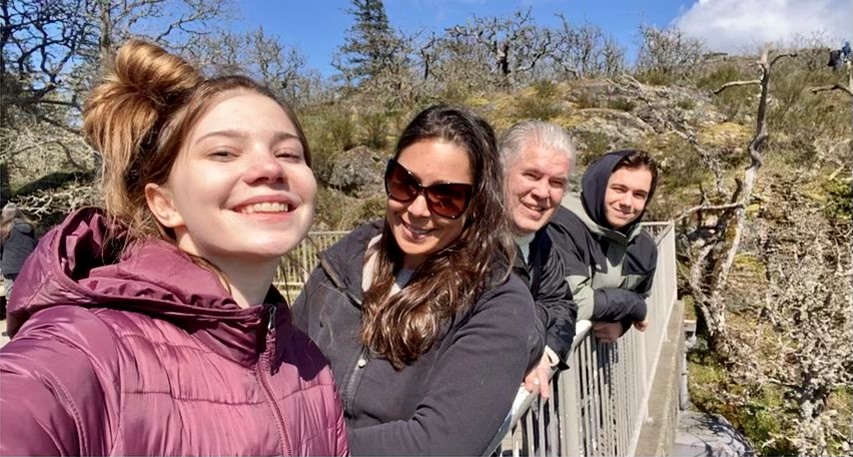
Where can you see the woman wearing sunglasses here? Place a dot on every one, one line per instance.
(427, 333)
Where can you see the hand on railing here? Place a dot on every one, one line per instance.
(538, 378)
(607, 332)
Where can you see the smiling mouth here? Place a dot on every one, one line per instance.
(537, 210)
(265, 208)
(416, 231)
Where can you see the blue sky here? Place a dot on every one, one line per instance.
(318, 27)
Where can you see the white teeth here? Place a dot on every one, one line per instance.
(266, 207)
(417, 231)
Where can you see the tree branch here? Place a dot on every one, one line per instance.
(736, 83)
(832, 87)
(703, 207)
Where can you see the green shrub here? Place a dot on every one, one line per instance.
(542, 104)
(596, 144)
(686, 104)
(375, 130)
(545, 88)
(839, 206)
(720, 75)
(586, 100)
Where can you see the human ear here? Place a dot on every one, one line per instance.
(162, 206)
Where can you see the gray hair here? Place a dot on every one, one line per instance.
(10, 211)
(535, 133)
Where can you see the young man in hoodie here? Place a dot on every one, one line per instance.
(609, 260)
(537, 158)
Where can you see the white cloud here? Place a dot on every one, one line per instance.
(743, 25)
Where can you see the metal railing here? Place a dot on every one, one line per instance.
(300, 262)
(598, 406)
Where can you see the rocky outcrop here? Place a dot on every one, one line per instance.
(358, 172)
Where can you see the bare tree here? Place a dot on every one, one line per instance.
(807, 309)
(513, 46)
(667, 55)
(716, 237)
(585, 51)
(52, 49)
(51, 55)
(257, 54)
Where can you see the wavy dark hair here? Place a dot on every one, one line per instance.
(401, 327)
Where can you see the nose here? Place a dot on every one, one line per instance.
(626, 200)
(540, 190)
(418, 206)
(264, 167)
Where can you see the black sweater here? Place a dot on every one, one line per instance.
(451, 400)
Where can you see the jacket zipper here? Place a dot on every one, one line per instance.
(265, 370)
(357, 371)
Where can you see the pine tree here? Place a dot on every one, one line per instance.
(371, 47)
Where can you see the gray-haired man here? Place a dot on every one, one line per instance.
(537, 159)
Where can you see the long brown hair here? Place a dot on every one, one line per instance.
(403, 326)
(138, 119)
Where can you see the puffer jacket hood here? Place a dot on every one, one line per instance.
(76, 264)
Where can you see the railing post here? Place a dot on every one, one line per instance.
(568, 409)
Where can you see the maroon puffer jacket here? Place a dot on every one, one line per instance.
(149, 355)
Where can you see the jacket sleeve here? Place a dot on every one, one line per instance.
(553, 296)
(576, 268)
(471, 389)
(52, 401)
(628, 304)
(617, 305)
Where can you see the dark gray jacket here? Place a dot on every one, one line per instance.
(453, 399)
(15, 249)
(544, 273)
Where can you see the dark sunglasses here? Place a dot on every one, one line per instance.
(448, 200)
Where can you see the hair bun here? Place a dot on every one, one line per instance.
(152, 72)
(144, 84)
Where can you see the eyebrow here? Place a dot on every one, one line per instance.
(243, 134)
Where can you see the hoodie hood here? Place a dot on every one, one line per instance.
(594, 187)
(76, 265)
